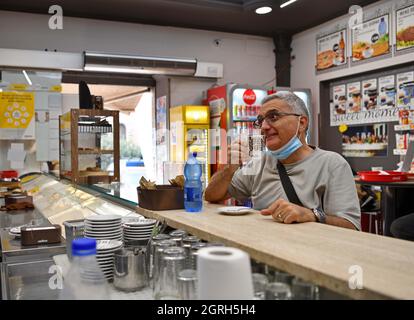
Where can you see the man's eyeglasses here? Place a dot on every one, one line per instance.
(271, 118)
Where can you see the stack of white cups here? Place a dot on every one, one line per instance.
(224, 274)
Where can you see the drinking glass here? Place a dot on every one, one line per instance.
(302, 290)
(192, 258)
(187, 284)
(151, 252)
(177, 236)
(284, 277)
(278, 291)
(188, 241)
(260, 282)
(172, 263)
(160, 246)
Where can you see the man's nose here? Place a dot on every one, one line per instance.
(265, 126)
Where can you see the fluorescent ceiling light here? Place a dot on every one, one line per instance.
(263, 10)
(287, 3)
(27, 77)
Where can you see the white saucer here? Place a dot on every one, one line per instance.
(234, 210)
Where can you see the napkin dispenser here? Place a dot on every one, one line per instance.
(40, 235)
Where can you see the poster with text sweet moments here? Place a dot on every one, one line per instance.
(16, 109)
(371, 39)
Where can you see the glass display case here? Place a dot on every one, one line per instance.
(89, 146)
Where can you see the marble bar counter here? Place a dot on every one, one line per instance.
(328, 256)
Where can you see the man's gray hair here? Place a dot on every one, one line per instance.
(292, 100)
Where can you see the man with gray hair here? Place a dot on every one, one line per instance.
(294, 182)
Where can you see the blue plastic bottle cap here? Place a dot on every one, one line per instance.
(83, 247)
(195, 154)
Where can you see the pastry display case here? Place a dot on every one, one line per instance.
(89, 146)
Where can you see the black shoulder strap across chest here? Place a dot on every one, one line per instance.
(287, 185)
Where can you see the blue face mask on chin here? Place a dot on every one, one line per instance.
(289, 148)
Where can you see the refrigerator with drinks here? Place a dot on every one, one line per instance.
(189, 126)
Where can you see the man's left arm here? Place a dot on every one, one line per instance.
(340, 202)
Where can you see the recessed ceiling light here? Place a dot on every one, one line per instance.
(287, 3)
(263, 10)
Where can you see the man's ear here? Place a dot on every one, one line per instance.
(304, 122)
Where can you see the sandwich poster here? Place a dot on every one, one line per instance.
(405, 28)
(387, 92)
(331, 50)
(369, 94)
(371, 39)
(339, 99)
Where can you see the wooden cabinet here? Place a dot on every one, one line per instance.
(89, 146)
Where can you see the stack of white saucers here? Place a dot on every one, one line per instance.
(137, 229)
(105, 255)
(103, 227)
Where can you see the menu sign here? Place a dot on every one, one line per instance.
(369, 94)
(405, 28)
(339, 99)
(405, 89)
(386, 92)
(371, 101)
(354, 97)
(331, 50)
(371, 39)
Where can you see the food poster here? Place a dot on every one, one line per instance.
(354, 97)
(405, 90)
(369, 94)
(331, 50)
(16, 109)
(386, 93)
(365, 141)
(405, 28)
(371, 39)
(339, 99)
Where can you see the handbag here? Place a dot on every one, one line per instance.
(287, 185)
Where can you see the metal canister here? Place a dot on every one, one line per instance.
(73, 229)
(130, 272)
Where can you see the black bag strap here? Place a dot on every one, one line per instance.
(287, 185)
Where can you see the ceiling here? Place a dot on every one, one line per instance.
(217, 15)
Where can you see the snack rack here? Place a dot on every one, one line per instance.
(89, 146)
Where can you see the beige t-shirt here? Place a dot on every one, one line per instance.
(322, 180)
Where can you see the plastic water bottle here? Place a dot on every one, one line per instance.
(193, 187)
(84, 280)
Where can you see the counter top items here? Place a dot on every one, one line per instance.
(130, 271)
(73, 229)
(235, 210)
(103, 227)
(224, 274)
(383, 176)
(137, 229)
(40, 235)
(105, 250)
(165, 197)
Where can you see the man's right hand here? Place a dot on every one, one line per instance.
(238, 152)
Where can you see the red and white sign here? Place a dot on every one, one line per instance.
(249, 97)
